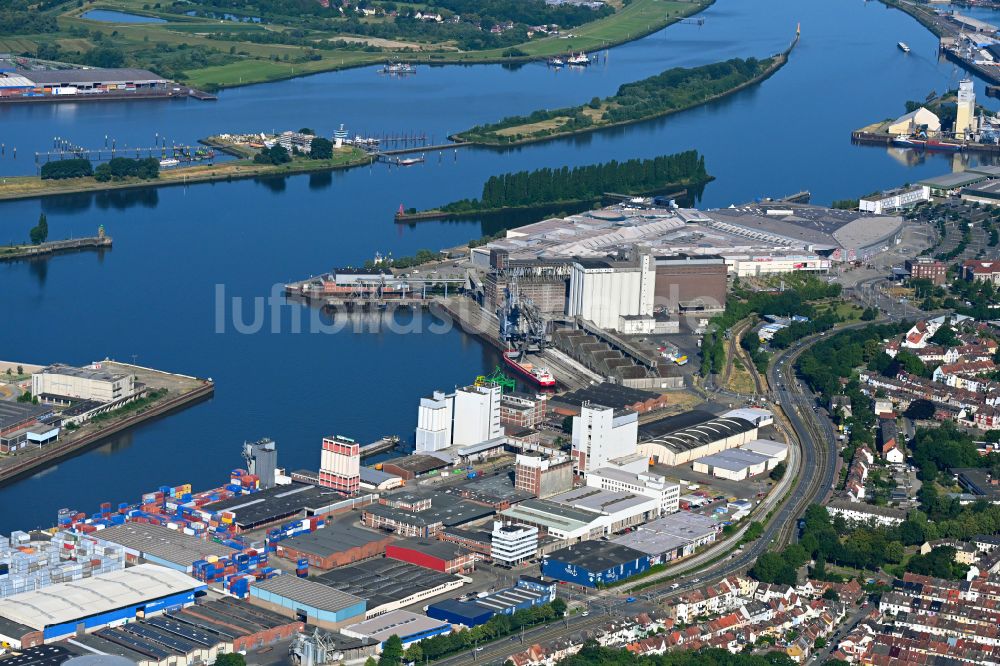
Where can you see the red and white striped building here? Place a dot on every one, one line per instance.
(340, 464)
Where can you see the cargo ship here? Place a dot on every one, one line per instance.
(903, 47)
(926, 144)
(579, 60)
(540, 376)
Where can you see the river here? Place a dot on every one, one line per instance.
(154, 296)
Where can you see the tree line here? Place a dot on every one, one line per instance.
(673, 90)
(528, 188)
(496, 627)
(593, 654)
(119, 168)
(826, 539)
(72, 168)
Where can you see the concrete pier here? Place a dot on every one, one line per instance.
(52, 247)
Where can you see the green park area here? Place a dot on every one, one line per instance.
(198, 43)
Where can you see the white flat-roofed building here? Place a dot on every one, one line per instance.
(635, 463)
(755, 415)
(776, 451)
(60, 381)
(621, 510)
(601, 434)
(559, 521)
(893, 200)
(671, 537)
(408, 626)
(734, 464)
(513, 543)
(768, 264)
(651, 485)
(100, 601)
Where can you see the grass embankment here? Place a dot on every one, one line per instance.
(27, 187)
(224, 63)
(673, 91)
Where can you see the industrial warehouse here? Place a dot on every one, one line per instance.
(103, 600)
(754, 239)
(78, 84)
(202, 576)
(389, 584)
(593, 563)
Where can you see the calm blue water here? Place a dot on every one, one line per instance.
(111, 16)
(154, 295)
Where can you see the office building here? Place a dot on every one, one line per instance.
(980, 270)
(893, 200)
(927, 268)
(512, 543)
(522, 410)
(601, 434)
(648, 484)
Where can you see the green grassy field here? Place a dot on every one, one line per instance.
(249, 62)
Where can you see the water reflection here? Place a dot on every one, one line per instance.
(39, 269)
(276, 184)
(145, 197)
(320, 180)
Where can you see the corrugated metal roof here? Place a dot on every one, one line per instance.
(16, 81)
(66, 602)
(162, 542)
(308, 592)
